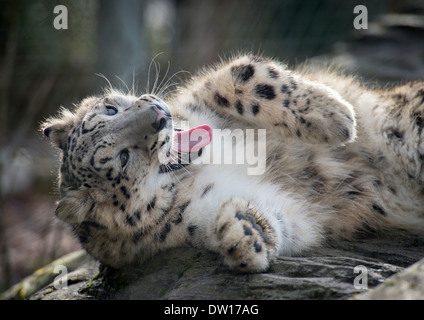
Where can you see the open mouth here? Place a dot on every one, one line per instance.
(187, 141)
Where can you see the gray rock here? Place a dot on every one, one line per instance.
(407, 285)
(187, 273)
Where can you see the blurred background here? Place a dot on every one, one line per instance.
(42, 68)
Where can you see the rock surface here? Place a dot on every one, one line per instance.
(187, 273)
(407, 285)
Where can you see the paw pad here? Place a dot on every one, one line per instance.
(255, 225)
(258, 247)
(247, 230)
(243, 237)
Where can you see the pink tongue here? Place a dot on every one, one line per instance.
(193, 139)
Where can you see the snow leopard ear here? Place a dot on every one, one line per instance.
(57, 130)
(57, 134)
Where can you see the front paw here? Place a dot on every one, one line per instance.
(243, 237)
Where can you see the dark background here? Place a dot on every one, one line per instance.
(42, 68)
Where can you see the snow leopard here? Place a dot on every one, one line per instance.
(248, 159)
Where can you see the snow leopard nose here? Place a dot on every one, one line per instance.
(161, 118)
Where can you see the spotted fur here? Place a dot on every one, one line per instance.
(340, 158)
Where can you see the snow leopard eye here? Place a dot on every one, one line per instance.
(111, 110)
(124, 157)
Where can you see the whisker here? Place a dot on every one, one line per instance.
(162, 93)
(157, 72)
(128, 89)
(170, 92)
(161, 84)
(133, 83)
(148, 72)
(148, 78)
(179, 181)
(101, 75)
(168, 82)
(180, 160)
(160, 87)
